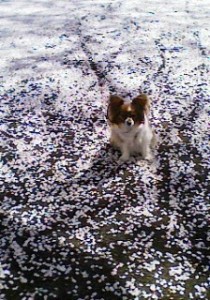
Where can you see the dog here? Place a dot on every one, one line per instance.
(130, 129)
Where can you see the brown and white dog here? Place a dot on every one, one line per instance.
(130, 129)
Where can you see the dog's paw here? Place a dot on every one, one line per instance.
(123, 158)
(148, 157)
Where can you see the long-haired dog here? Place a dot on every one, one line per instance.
(130, 129)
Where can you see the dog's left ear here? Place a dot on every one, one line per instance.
(141, 102)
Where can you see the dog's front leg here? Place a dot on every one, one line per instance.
(125, 152)
(146, 151)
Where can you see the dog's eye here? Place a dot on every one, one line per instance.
(121, 118)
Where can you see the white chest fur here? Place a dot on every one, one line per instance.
(132, 140)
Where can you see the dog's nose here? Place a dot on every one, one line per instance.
(129, 122)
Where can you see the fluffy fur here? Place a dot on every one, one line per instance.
(130, 129)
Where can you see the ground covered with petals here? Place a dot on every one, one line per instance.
(76, 224)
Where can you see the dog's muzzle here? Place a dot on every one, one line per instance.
(129, 122)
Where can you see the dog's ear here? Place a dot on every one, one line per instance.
(141, 102)
(115, 102)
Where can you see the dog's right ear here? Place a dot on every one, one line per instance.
(115, 102)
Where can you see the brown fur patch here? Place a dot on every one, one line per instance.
(113, 111)
(141, 102)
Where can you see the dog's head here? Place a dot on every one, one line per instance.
(127, 115)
